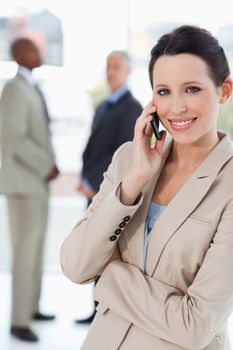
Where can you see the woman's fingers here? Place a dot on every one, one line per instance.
(160, 143)
(148, 130)
(142, 126)
(150, 104)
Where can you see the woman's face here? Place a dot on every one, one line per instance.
(186, 97)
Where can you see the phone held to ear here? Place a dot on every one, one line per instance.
(155, 126)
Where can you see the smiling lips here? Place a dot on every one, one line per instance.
(182, 124)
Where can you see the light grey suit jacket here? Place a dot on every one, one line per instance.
(185, 295)
(27, 156)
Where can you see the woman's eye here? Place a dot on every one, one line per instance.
(163, 92)
(192, 89)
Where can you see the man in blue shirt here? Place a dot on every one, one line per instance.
(113, 125)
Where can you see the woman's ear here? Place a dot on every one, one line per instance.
(226, 90)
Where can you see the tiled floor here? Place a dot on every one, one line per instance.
(68, 301)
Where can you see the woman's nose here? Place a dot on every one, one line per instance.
(178, 105)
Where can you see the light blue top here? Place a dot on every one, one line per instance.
(154, 211)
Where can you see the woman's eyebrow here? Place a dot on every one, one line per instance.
(185, 83)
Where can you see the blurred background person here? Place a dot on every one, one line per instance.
(28, 164)
(113, 125)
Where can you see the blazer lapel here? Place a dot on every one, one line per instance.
(186, 200)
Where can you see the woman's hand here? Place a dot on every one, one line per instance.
(146, 159)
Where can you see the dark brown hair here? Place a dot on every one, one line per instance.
(197, 41)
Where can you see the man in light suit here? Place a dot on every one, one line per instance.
(28, 164)
(113, 125)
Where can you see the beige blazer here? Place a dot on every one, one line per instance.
(183, 298)
(26, 151)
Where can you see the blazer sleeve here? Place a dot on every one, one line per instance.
(86, 251)
(16, 118)
(188, 319)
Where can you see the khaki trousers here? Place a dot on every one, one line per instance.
(28, 221)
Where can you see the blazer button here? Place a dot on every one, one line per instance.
(113, 238)
(122, 224)
(126, 218)
(118, 231)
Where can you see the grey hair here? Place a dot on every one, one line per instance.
(123, 54)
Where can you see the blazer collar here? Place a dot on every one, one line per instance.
(221, 153)
(25, 82)
(213, 163)
(26, 74)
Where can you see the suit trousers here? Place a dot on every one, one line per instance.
(28, 221)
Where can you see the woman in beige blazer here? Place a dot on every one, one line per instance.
(160, 230)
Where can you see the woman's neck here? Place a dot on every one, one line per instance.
(190, 156)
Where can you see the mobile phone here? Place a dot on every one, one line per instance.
(155, 126)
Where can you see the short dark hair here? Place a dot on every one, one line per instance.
(19, 45)
(197, 41)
